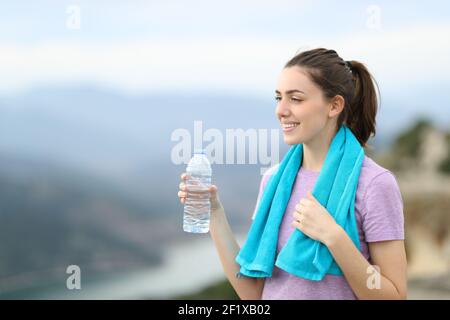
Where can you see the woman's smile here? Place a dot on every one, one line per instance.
(289, 126)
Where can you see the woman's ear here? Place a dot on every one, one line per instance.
(336, 106)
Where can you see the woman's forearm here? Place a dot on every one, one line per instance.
(357, 269)
(228, 248)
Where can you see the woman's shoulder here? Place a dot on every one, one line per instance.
(376, 179)
(270, 171)
(371, 171)
(379, 202)
(267, 174)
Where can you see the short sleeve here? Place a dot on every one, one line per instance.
(382, 213)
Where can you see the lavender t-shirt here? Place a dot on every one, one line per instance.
(379, 216)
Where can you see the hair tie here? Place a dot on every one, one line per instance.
(348, 64)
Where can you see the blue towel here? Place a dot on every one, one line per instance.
(335, 189)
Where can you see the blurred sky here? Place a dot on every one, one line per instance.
(227, 46)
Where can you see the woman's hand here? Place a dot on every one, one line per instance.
(214, 196)
(315, 221)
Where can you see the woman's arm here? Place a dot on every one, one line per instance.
(315, 221)
(227, 246)
(388, 256)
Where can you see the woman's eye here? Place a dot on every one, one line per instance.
(292, 98)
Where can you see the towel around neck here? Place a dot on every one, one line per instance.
(335, 189)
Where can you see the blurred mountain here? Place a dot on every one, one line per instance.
(421, 147)
(420, 158)
(52, 217)
(86, 178)
(218, 291)
(127, 139)
(86, 175)
(90, 127)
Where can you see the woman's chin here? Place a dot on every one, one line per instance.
(291, 140)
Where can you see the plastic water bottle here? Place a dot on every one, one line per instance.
(197, 207)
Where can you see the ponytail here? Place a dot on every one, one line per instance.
(361, 114)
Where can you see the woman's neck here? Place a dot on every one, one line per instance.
(315, 150)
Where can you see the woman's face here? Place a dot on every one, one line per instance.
(301, 108)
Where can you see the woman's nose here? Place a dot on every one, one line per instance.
(282, 109)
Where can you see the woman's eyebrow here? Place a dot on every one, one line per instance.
(290, 91)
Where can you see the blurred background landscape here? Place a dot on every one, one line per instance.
(91, 92)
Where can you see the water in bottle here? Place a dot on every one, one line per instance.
(197, 207)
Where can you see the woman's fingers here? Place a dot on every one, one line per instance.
(184, 176)
(213, 190)
(182, 194)
(214, 195)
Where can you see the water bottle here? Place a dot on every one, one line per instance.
(197, 207)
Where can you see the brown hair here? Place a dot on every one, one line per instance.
(351, 80)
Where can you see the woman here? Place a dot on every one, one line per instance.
(317, 93)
